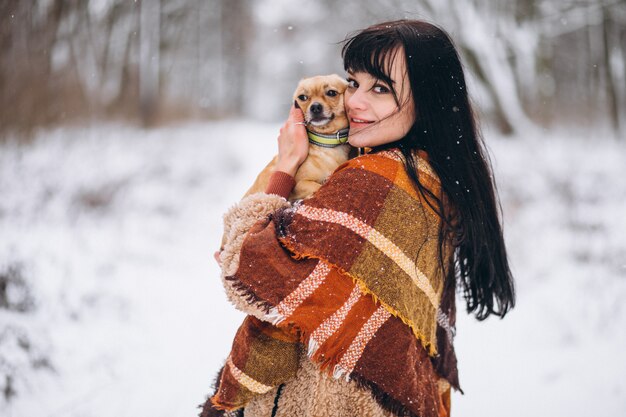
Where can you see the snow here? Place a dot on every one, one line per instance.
(114, 228)
(559, 352)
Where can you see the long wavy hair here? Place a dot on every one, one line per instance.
(446, 129)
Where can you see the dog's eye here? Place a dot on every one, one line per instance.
(302, 97)
(331, 93)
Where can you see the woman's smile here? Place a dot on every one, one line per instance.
(358, 123)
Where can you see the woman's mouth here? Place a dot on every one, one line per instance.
(356, 122)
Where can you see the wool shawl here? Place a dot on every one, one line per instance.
(351, 276)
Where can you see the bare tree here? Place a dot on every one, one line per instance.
(549, 61)
(609, 82)
(149, 59)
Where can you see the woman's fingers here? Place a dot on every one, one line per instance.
(296, 115)
(295, 123)
(293, 142)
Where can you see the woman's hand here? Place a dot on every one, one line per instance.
(293, 143)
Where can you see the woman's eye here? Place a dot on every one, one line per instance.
(302, 97)
(352, 83)
(380, 89)
(331, 93)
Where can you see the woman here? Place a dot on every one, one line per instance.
(350, 293)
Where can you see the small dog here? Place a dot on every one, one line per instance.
(321, 100)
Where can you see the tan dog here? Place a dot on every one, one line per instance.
(321, 101)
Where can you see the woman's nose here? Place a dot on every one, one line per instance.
(355, 100)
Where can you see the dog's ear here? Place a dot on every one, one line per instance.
(340, 83)
(339, 79)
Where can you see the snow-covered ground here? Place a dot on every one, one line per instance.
(115, 307)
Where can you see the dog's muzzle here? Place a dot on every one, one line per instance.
(317, 116)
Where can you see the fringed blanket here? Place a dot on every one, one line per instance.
(351, 273)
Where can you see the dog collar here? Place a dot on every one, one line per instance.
(329, 141)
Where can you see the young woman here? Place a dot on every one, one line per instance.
(350, 293)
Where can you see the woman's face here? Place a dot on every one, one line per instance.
(375, 117)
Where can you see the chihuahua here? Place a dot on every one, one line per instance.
(321, 100)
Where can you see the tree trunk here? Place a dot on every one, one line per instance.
(611, 94)
(149, 59)
(237, 31)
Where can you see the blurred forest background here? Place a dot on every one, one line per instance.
(547, 62)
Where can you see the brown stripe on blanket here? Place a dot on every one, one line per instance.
(258, 258)
(400, 366)
(354, 190)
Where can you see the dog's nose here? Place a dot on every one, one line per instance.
(316, 108)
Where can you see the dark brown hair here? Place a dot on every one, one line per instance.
(446, 129)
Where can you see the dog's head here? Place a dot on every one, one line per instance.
(321, 101)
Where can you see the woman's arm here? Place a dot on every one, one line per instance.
(238, 221)
(293, 148)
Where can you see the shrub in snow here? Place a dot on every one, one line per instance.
(15, 293)
(19, 351)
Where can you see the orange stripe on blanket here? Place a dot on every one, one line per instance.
(332, 323)
(353, 354)
(329, 354)
(390, 164)
(321, 305)
(289, 304)
(421, 158)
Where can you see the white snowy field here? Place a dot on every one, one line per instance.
(115, 306)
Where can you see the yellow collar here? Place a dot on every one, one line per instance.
(328, 141)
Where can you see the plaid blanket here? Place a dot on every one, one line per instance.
(352, 275)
